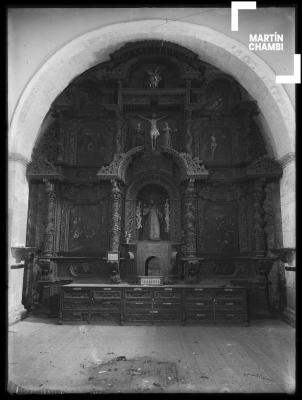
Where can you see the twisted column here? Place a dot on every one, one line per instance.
(189, 219)
(48, 249)
(259, 233)
(116, 196)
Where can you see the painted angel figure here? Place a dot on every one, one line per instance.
(154, 77)
(154, 132)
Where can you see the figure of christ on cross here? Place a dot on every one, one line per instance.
(154, 132)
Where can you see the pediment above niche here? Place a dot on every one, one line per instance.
(146, 162)
(180, 164)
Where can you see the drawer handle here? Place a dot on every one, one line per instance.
(137, 289)
(77, 288)
(138, 302)
(200, 304)
(168, 288)
(228, 290)
(167, 304)
(108, 288)
(198, 290)
(154, 312)
(200, 315)
(229, 304)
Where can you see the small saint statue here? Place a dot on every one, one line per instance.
(154, 132)
(167, 137)
(139, 135)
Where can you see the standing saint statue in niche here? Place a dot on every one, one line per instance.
(154, 132)
(152, 216)
(167, 137)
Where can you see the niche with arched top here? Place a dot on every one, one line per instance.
(153, 213)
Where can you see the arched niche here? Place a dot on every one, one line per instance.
(160, 180)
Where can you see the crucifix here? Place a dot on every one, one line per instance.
(154, 132)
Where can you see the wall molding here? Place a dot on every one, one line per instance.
(17, 157)
(287, 159)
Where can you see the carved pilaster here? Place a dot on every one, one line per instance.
(243, 226)
(116, 197)
(189, 219)
(48, 249)
(189, 136)
(269, 216)
(119, 142)
(201, 224)
(259, 233)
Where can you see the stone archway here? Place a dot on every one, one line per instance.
(94, 47)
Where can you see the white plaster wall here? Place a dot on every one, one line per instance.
(288, 205)
(17, 211)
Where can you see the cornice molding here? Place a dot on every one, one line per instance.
(17, 157)
(287, 159)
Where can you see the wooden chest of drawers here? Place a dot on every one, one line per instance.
(216, 306)
(126, 304)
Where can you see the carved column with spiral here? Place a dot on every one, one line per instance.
(48, 249)
(189, 219)
(116, 196)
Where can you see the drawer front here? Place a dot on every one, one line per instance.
(102, 304)
(105, 293)
(233, 294)
(167, 305)
(168, 293)
(167, 316)
(79, 315)
(76, 303)
(138, 293)
(146, 317)
(76, 293)
(133, 306)
(198, 293)
(105, 316)
(199, 305)
(199, 316)
(229, 317)
(231, 306)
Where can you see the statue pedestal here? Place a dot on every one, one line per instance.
(156, 254)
